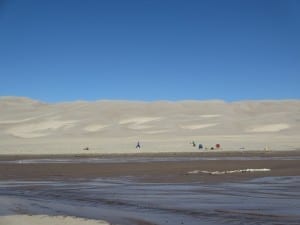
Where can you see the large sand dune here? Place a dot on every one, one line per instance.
(29, 126)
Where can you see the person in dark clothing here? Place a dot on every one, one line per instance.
(138, 145)
(194, 144)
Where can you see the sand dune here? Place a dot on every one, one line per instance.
(139, 123)
(139, 120)
(15, 121)
(39, 129)
(198, 126)
(211, 116)
(270, 127)
(95, 127)
(29, 126)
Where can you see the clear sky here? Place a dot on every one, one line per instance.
(59, 50)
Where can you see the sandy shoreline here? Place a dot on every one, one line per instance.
(46, 219)
(166, 171)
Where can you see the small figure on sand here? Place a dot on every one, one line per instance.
(138, 145)
(194, 144)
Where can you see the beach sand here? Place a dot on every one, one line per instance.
(45, 220)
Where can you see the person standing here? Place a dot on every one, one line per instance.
(194, 144)
(138, 145)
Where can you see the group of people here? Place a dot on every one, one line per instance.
(200, 146)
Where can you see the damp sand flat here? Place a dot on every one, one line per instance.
(158, 171)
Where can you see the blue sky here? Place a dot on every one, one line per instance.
(60, 50)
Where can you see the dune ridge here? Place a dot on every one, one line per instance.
(33, 127)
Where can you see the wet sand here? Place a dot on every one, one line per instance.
(161, 172)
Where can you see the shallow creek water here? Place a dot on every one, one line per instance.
(124, 201)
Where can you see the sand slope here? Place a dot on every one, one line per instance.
(29, 126)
